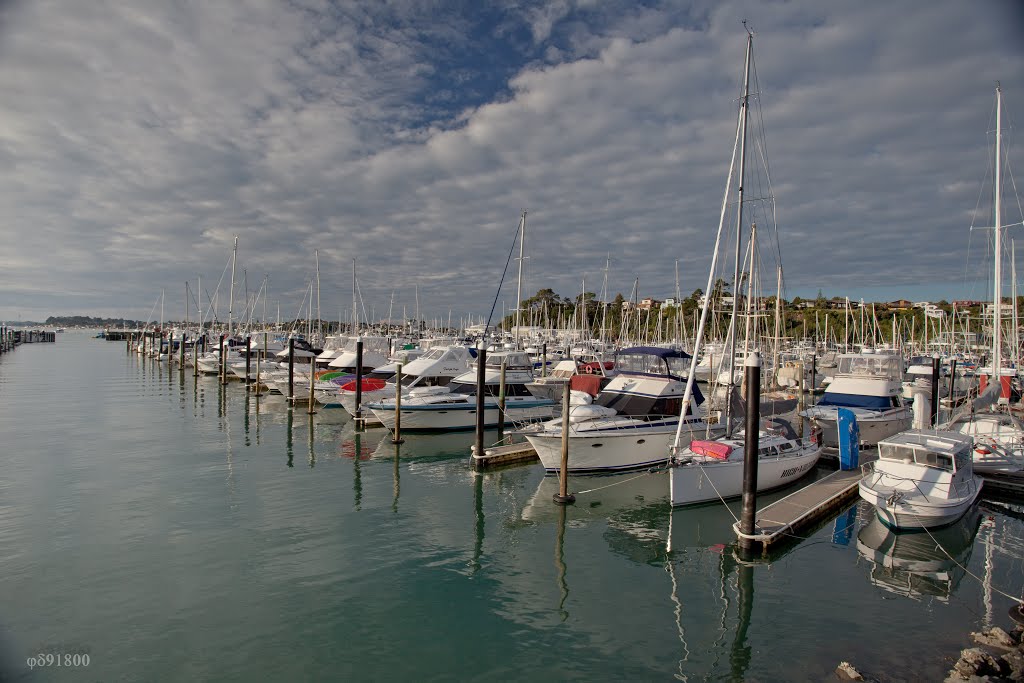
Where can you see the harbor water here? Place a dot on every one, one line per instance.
(175, 529)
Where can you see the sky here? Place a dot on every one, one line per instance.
(138, 138)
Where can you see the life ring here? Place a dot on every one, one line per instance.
(589, 369)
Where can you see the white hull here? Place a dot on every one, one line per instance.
(872, 428)
(914, 512)
(613, 450)
(443, 418)
(692, 484)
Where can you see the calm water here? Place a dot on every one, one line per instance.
(175, 532)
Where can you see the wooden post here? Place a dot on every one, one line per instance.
(359, 383)
(291, 369)
(481, 387)
(751, 435)
(248, 360)
(563, 497)
(936, 364)
(396, 437)
(501, 404)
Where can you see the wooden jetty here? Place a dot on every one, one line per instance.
(504, 455)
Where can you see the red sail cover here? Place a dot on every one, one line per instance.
(712, 449)
(369, 384)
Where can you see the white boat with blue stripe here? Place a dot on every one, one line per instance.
(631, 422)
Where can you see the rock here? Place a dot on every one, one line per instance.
(995, 637)
(846, 672)
(1015, 661)
(976, 662)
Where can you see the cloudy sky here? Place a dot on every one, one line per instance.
(137, 138)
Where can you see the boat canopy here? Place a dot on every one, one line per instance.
(856, 401)
(652, 360)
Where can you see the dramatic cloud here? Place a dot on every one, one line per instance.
(137, 139)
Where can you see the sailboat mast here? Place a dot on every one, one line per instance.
(744, 106)
(231, 295)
(997, 289)
(319, 318)
(519, 285)
(355, 324)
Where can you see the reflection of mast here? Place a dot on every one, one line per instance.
(678, 610)
(563, 586)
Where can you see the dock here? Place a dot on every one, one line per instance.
(786, 517)
(1004, 484)
(509, 454)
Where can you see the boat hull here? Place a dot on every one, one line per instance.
(908, 513)
(613, 450)
(692, 484)
(454, 417)
(872, 428)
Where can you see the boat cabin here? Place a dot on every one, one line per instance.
(870, 365)
(946, 451)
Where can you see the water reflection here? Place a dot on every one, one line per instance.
(917, 564)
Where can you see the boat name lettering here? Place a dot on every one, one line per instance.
(794, 470)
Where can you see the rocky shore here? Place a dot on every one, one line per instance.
(998, 657)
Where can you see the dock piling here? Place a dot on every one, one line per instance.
(359, 383)
(935, 388)
(481, 387)
(751, 435)
(563, 497)
(397, 436)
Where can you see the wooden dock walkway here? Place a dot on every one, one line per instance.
(784, 518)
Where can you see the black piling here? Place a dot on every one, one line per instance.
(359, 383)
(752, 367)
(291, 369)
(481, 388)
(936, 362)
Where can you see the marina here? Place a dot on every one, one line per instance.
(525, 341)
(309, 531)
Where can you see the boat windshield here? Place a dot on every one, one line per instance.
(650, 364)
(922, 456)
(870, 365)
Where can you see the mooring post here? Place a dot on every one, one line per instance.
(396, 437)
(936, 364)
(359, 383)
(220, 359)
(751, 435)
(198, 344)
(248, 361)
(181, 351)
(563, 497)
(481, 387)
(501, 404)
(544, 359)
(291, 369)
(814, 372)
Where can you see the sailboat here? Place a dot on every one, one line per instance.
(998, 436)
(706, 469)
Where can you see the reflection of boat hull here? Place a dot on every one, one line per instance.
(913, 563)
(694, 484)
(620, 493)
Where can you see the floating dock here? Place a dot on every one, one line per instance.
(783, 519)
(1004, 483)
(497, 456)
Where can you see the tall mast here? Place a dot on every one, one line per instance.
(744, 106)
(778, 329)
(355, 324)
(519, 286)
(231, 295)
(997, 289)
(319, 318)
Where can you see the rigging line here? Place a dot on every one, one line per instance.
(511, 251)
(698, 464)
(599, 488)
(1017, 599)
(763, 148)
